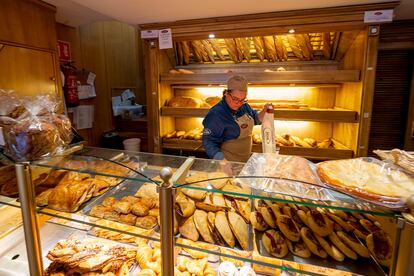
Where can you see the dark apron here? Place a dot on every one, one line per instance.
(239, 149)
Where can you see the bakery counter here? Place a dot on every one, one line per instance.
(307, 114)
(274, 214)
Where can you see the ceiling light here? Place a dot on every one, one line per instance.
(291, 31)
(211, 36)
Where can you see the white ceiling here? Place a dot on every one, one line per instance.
(79, 12)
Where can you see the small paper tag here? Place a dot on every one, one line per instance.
(91, 78)
(165, 39)
(149, 34)
(378, 16)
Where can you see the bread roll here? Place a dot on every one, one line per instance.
(181, 101)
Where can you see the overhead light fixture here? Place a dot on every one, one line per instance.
(211, 36)
(291, 31)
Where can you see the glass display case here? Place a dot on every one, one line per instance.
(109, 211)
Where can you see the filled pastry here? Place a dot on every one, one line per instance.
(274, 243)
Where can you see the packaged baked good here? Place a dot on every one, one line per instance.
(285, 174)
(38, 132)
(370, 179)
(31, 139)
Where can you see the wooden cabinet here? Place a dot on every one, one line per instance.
(28, 57)
(27, 71)
(328, 68)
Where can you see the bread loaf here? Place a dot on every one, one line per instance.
(212, 100)
(181, 101)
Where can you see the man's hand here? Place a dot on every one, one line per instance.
(263, 111)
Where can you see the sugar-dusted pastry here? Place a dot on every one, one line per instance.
(227, 268)
(247, 271)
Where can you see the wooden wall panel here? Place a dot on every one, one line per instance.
(28, 23)
(109, 49)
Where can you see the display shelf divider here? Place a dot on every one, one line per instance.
(30, 225)
(180, 174)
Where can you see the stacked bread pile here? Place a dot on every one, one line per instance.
(260, 48)
(192, 134)
(90, 257)
(65, 190)
(287, 140)
(214, 217)
(140, 210)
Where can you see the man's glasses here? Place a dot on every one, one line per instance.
(237, 100)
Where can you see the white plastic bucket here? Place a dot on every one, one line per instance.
(132, 144)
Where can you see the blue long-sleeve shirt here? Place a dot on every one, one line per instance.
(220, 126)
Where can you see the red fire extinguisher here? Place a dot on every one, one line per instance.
(70, 88)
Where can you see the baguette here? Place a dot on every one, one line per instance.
(180, 54)
(269, 49)
(217, 49)
(232, 49)
(208, 50)
(259, 46)
(307, 53)
(186, 52)
(281, 48)
(295, 47)
(198, 50)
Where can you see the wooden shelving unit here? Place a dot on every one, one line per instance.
(268, 78)
(341, 152)
(337, 71)
(311, 114)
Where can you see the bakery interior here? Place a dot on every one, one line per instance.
(102, 166)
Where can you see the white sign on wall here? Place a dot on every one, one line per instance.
(149, 34)
(378, 16)
(165, 39)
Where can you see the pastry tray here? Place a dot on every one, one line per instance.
(126, 188)
(361, 266)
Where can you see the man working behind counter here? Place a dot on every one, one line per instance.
(228, 125)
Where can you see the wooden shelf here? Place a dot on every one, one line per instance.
(315, 76)
(312, 114)
(311, 153)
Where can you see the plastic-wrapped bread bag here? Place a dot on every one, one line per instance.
(37, 133)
